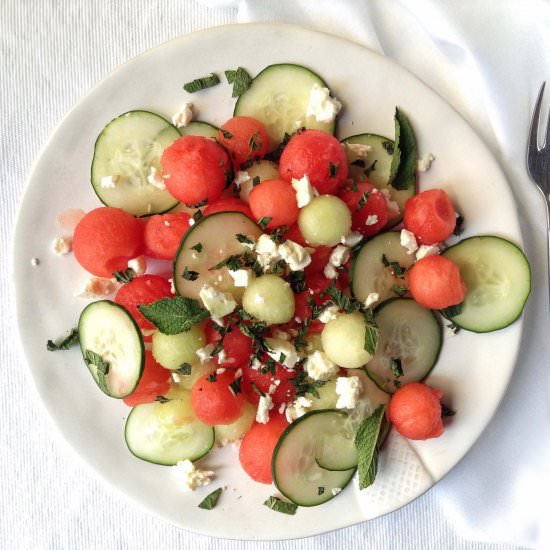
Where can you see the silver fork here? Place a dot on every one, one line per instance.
(538, 163)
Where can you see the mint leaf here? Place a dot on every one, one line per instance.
(65, 343)
(366, 441)
(452, 311)
(184, 369)
(211, 500)
(93, 359)
(174, 315)
(281, 505)
(403, 165)
(371, 338)
(263, 222)
(201, 83)
(240, 79)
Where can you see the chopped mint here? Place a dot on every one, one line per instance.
(282, 506)
(211, 500)
(65, 343)
(201, 83)
(174, 315)
(125, 276)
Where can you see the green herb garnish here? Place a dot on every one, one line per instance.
(91, 358)
(64, 343)
(371, 168)
(459, 226)
(400, 290)
(243, 239)
(362, 201)
(403, 165)
(332, 169)
(174, 315)
(212, 377)
(396, 269)
(190, 275)
(184, 369)
(256, 181)
(235, 386)
(125, 276)
(201, 83)
(211, 500)
(359, 162)
(197, 247)
(226, 134)
(388, 146)
(446, 411)
(396, 367)
(240, 79)
(281, 505)
(452, 311)
(197, 216)
(264, 222)
(161, 399)
(297, 281)
(366, 442)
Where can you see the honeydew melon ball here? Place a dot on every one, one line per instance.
(344, 340)
(327, 396)
(171, 350)
(265, 170)
(324, 221)
(228, 433)
(269, 299)
(187, 381)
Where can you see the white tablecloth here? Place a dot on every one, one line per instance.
(52, 52)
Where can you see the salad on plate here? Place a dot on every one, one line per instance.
(266, 285)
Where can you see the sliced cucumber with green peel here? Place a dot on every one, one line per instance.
(199, 128)
(368, 272)
(316, 436)
(217, 234)
(497, 276)
(127, 149)
(112, 347)
(154, 437)
(410, 340)
(377, 167)
(278, 97)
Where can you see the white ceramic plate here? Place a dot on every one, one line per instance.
(473, 370)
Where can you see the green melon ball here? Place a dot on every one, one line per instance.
(344, 341)
(325, 220)
(270, 299)
(171, 350)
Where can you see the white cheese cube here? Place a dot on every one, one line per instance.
(218, 303)
(282, 349)
(109, 182)
(328, 314)
(265, 404)
(62, 246)
(242, 277)
(320, 367)
(189, 477)
(372, 298)
(298, 408)
(348, 390)
(155, 179)
(184, 116)
(321, 106)
(205, 354)
(427, 250)
(408, 241)
(372, 219)
(425, 163)
(304, 191)
(352, 239)
(296, 256)
(339, 256)
(138, 265)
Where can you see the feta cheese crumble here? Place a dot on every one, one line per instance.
(284, 347)
(425, 163)
(359, 149)
(328, 314)
(267, 251)
(320, 367)
(298, 408)
(189, 477)
(372, 219)
(205, 354)
(330, 272)
(243, 182)
(155, 179)
(97, 287)
(348, 389)
(62, 246)
(218, 303)
(184, 116)
(265, 404)
(296, 256)
(109, 182)
(138, 265)
(339, 256)
(321, 106)
(408, 241)
(372, 298)
(35, 262)
(352, 239)
(427, 250)
(241, 277)
(304, 191)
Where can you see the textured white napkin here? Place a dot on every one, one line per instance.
(488, 60)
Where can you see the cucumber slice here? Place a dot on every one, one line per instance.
(108, 330)
(278, 97)
(128, 147)
(153, 437)
(498, 278)
(217, 234)
(318, 435)
(199, 128)
(409, 333)
(377, 168)
(369, 274)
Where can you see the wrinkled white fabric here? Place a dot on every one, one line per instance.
(486, 58)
